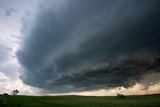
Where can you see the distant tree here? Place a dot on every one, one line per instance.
(15, 92)
(121, 96)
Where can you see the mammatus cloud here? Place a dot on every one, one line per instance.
(76, 46)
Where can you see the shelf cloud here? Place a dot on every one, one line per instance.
(75, 45)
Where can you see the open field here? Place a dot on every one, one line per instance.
(81, 101)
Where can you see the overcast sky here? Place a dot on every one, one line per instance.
(83, 47)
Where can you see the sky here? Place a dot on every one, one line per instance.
(75, 47)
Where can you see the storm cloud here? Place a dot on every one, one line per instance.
(75, 45)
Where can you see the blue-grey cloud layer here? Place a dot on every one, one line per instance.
(79, 45)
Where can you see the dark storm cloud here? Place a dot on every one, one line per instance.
(75, 45)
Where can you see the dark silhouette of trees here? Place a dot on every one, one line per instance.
(120, 96)
(15, 92)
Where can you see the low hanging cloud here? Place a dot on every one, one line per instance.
(75, 45)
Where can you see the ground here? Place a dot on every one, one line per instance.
(81, 101)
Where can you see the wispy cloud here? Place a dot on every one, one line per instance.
(10, 11)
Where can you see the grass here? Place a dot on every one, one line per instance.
(81, 101)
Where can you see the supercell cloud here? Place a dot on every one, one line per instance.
(75, 45)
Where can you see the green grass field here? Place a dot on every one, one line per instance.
(81, 101)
